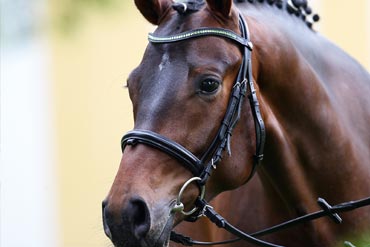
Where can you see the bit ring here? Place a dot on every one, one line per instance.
(179, 206)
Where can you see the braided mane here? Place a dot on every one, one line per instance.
(299, 8)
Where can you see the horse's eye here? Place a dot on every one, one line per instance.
(209, 86)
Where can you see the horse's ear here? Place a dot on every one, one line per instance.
(153, 10)
(221, 7)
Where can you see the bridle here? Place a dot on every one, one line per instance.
(202, 167)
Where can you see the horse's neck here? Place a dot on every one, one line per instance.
(317, 139)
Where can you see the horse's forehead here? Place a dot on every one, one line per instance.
(165, 60)
(167, 68)
(173, 70)
(192, 50)
(176, 22)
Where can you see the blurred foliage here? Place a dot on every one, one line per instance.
(362, 241)
(69, 14)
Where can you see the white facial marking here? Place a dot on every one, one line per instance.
(165, 60)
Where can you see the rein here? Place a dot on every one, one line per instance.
(202, 167)
(327, 210)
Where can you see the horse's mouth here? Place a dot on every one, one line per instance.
(164, 236)
(158, 236)
(161, 241)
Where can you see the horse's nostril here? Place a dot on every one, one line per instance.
(137, 215)
(106, 227)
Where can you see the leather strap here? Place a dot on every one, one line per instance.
(166, 145)
(221, 222)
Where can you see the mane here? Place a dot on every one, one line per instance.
(298, 8)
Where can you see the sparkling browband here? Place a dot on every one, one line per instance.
(201, 32)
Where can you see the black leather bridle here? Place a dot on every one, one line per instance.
(202, 167)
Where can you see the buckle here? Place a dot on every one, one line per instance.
(258, 157)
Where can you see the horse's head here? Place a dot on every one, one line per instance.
(181, 92)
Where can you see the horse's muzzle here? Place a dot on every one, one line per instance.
(129, 226)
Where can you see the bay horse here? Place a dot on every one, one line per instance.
(309, 108)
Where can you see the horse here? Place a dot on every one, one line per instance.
(312, 108)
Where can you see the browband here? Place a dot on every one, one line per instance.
(199, 32)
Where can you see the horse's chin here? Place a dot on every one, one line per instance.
(162, 241)
(164, 234)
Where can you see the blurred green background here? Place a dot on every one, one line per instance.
(64, 108)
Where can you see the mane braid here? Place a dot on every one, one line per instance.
(299, 8)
